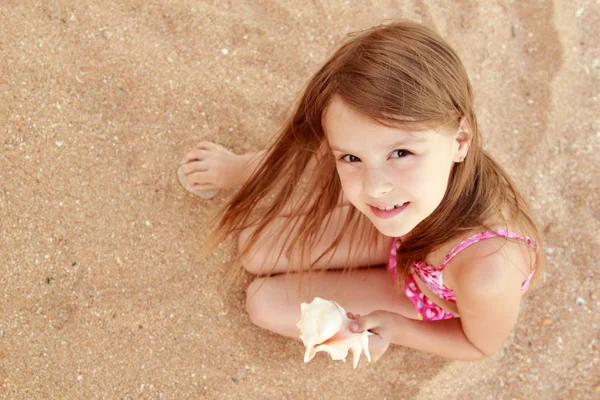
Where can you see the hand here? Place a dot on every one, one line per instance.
(383, 324)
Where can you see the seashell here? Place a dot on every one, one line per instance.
(324, 326)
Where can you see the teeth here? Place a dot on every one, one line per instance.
(389, 208)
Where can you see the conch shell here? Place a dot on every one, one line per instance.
(324, 326)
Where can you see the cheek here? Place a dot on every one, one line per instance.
(350, 180)
(409, 177)
(426, 179)
(435, 185)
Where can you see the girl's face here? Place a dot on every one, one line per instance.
(396, 178)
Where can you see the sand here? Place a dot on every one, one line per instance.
(103, 293)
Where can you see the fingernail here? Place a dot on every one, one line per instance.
(354, 327)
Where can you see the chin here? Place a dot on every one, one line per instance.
(391, 228)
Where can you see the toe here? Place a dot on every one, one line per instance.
(193, 166)
(206, 145)
(203, 187)
(196, 154)
(198, 178)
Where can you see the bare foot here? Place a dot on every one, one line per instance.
(210, 166)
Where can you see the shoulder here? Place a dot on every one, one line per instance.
(489, 267)
(486, 278)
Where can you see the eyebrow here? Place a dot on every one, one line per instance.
(413, 139)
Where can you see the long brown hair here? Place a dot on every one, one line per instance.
(404, 74)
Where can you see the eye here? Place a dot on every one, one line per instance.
(350, 158)
(400, 153)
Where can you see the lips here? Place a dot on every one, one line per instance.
(388, 212)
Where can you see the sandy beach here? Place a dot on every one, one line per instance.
(103, 294)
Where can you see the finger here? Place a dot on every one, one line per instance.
(361, 324)
(357, 324)
(350, 315)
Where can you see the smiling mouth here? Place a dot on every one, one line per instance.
(388, 212)
(389, 208)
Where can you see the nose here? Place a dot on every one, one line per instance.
(376, 182)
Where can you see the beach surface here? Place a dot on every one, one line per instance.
(103, 293)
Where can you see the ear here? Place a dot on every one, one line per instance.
(464, 135)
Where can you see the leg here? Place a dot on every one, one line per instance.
(274, 303)
(210, 166)
(348, 253)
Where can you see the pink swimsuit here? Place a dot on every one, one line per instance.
(433, 277)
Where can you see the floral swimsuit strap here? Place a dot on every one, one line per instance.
(482, 236)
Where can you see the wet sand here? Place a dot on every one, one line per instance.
(103, 292)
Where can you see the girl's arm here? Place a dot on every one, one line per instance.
(488, 294)
(444, 338)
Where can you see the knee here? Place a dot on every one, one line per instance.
(261, 260)
(257, 304)
(250, 261)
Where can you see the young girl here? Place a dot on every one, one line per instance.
(386, 140)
